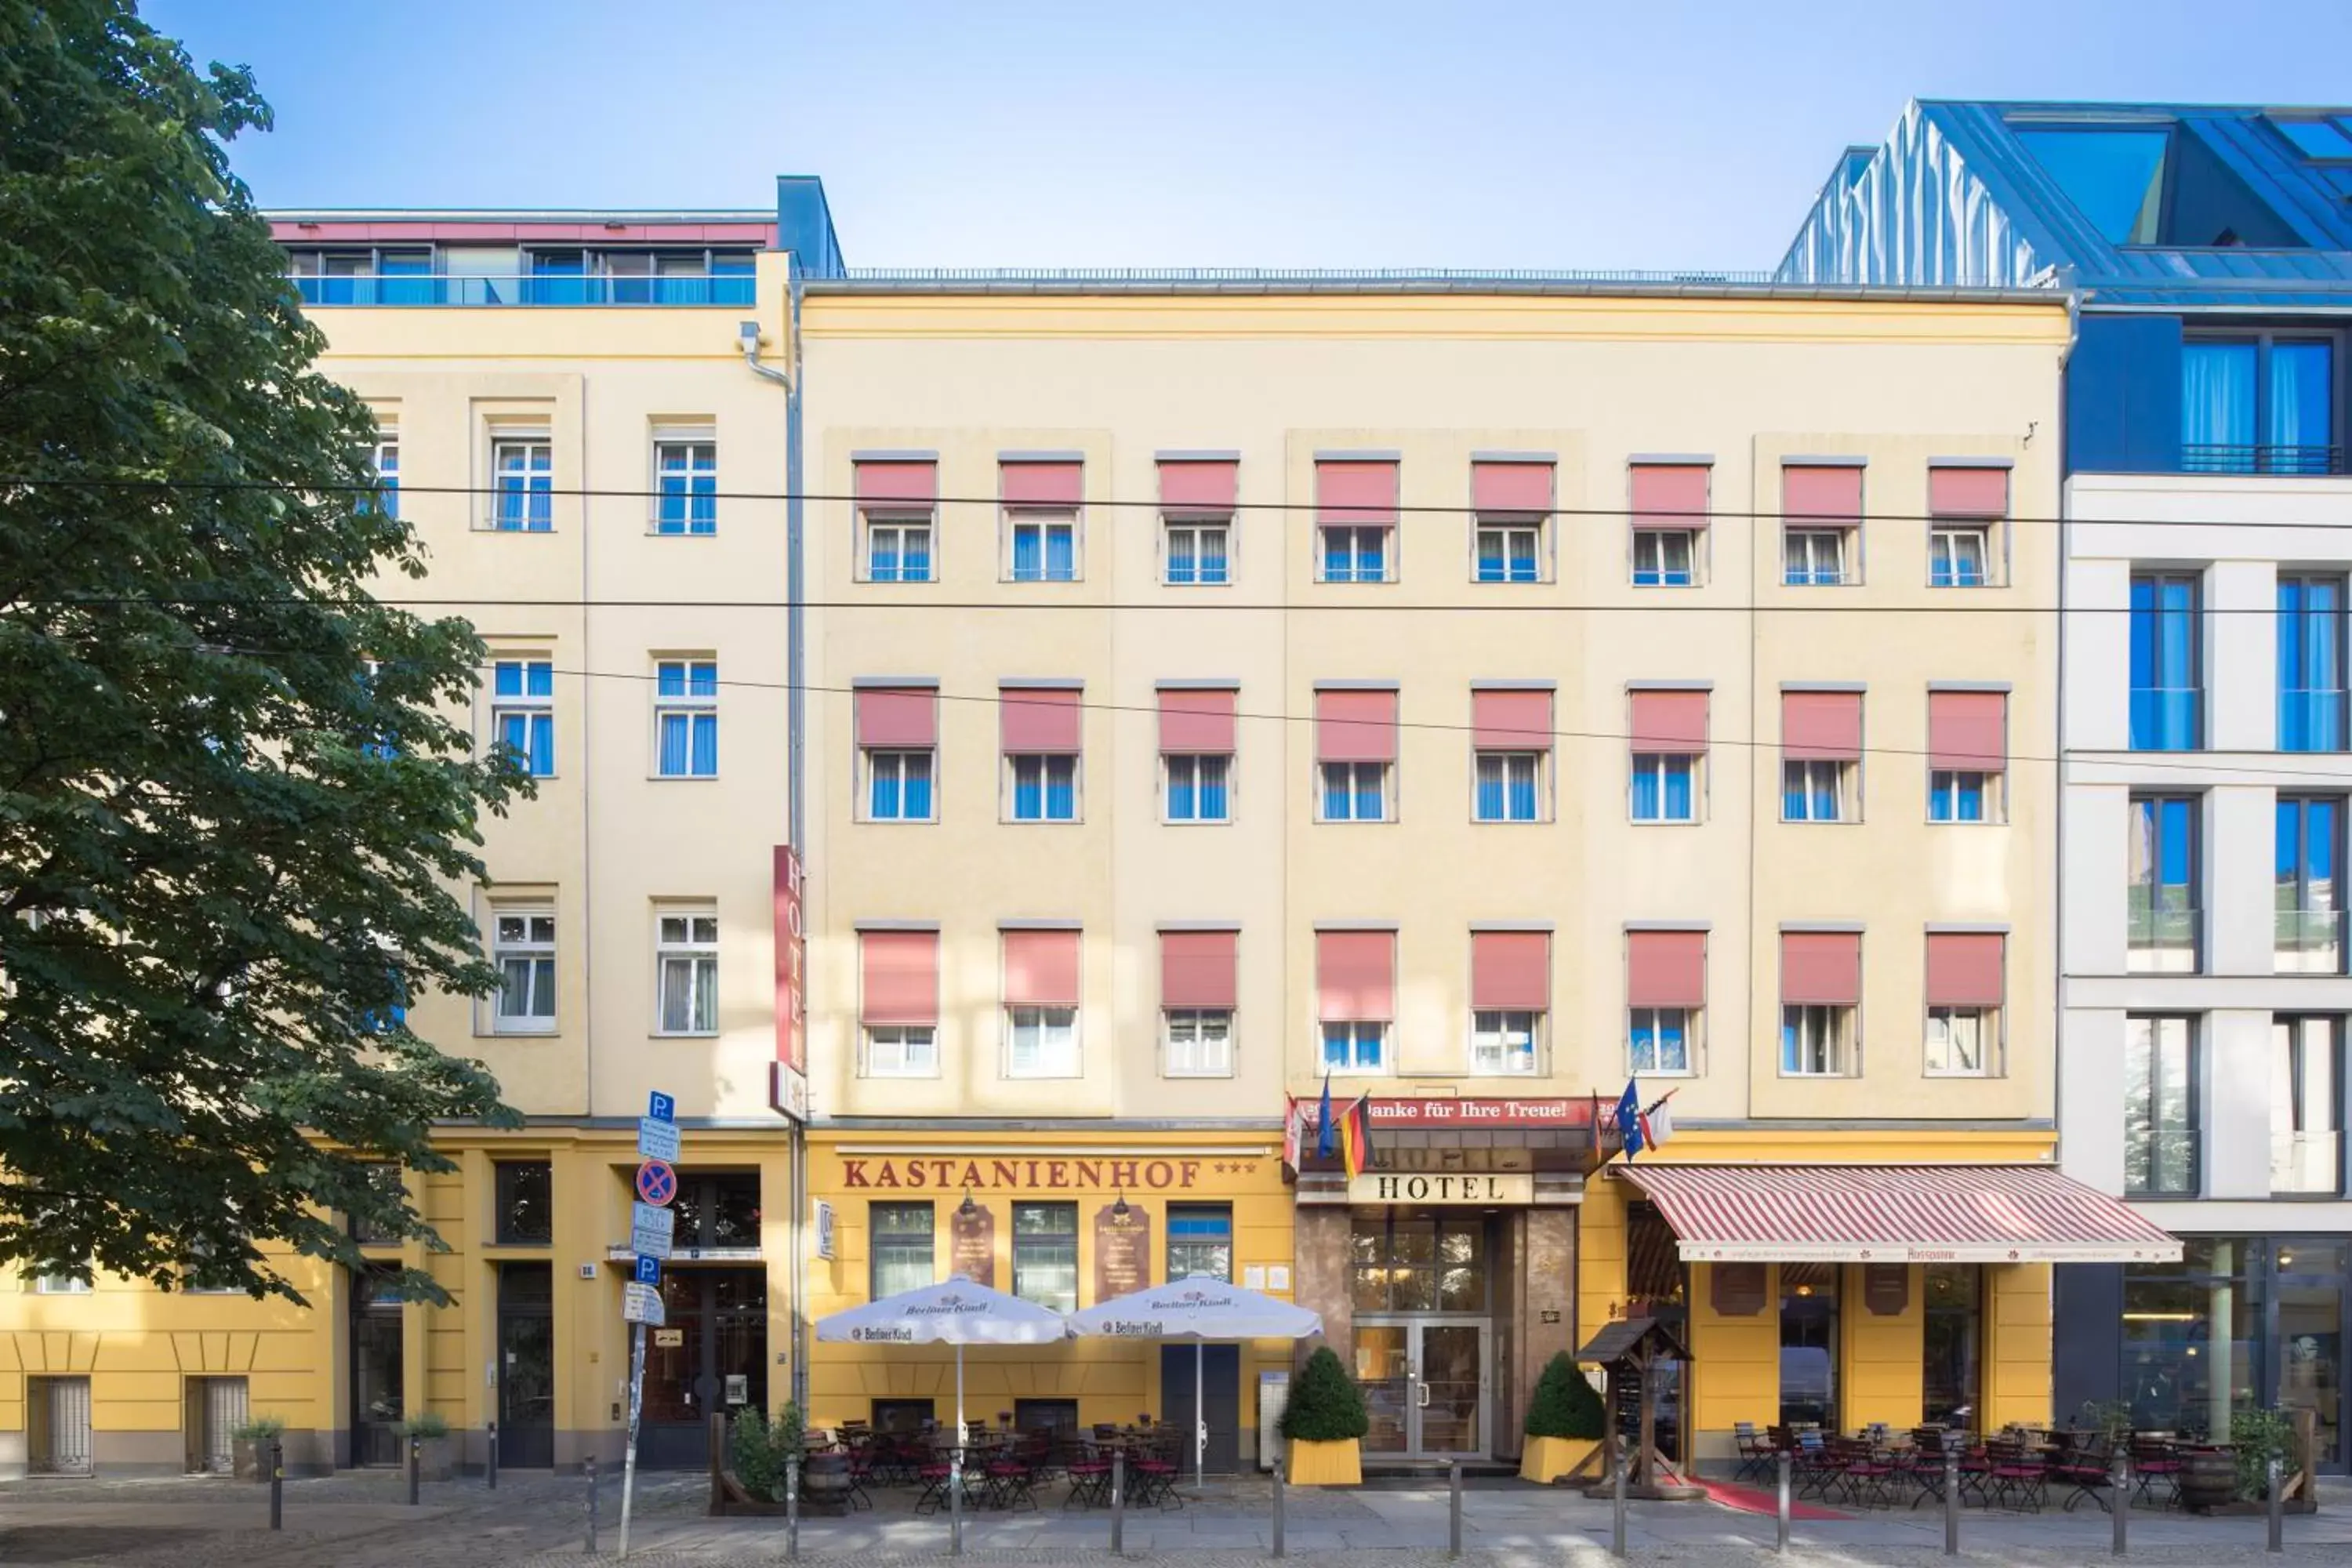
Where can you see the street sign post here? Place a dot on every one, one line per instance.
(652, 1226)
(656, 1139)
(648, 1271)
(642, 1304)
(657, 1183)
(651, 1230)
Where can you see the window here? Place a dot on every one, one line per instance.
(1200, 1241)
(1503, 1043)
(1044, 547)
(522, 473)
(1814, 557)
(1355, 554)
(686, 963)
(2161, 901)
(523, 950)
(2306, 1105)
(1197, 553)
(1045, 789)
(686, 718)
(1958, 1039)
(387, 463)
(1356, 1046)
(1198, 1042)
(2168, 679)
(59, 1285)
(1046, 1255)
(1354, 791)
(686, 480)
(898, 550)
(1196, 788)
(1509, 787)
(1401, 1260)
(898, 786)
(1659, 1040)
(900, 1239)
(1815, 1040)
(2316, 139)
(2309, 878)
(1968, 753)
(524, 1191)
(1662, 788)
(1041, 1042)
(1816, 791)
(902, 1050)
(1958, 794)
(2311, 664)
(1821, 524)
(2159, 1107)
(1665, 557)
(392, 1188)
(2259, 404)
(2113, 175)
(522, 712)
(1510, 552)
(1957, 554)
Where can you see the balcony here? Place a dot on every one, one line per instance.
(2168, 718)
(2205, 458)
(541, 290)
(2306, 1163)
(2311, 719)
(2162, 940)
(2309, 941)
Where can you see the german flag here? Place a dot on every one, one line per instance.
(1356, 1136)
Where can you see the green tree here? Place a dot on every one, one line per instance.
(234, 804)
(1326, 1406)
(1564, 1404)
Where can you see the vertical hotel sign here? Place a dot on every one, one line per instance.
(788, 1079)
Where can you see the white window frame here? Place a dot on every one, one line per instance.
(1656, 762)
(1691, 1017)
(1809, 538)
(1206, 1034)
(1170, 761)
(902, 523)
(1846, 796)
(693, 947)
(871, 759)
(1944, 535)
(1990, 793)
(1987, 1022)
(898, 1050)
(1354, 1066)
(530, 948)
(1355, 552)
(60, 1285)
(528, 438)
(1388, 792)
(1506, 524)
(1045, 519)
(1837, 1048)
(1058, 1051)
(385, 460)
(692, 440)
(1045, 761)
(1657, 538)
(686, 705)
(1197, 525)
(1492, 1032)
(1508, 761)
(526, 706)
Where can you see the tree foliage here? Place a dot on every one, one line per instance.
(1326, 1406)
(234, 802)
(1565, 1405)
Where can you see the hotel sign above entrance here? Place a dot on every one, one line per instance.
(1480, 1189)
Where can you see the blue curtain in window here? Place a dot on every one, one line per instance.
(702, 679)
(2302, 426)
(1335, 1046)
(1338, 791)
(1678, 792)
(882, 555)
(1825, 794)
(1061, 790)
(1182, 557)
(531, 738)
(1368, 1048)
(917, 793)
(1061, 554)
(1338, 556)
(1646, 791)
(1791, 1060)
(1028, 792)
(1371, 554)
(1971, 797)
(1792, 796)
(882, 795)
(2217, 406)
(915, 564)
(1490, 789)
(1368, 795)
(1028, 553)
(539, 680)
(674, 745)
(670, 680)
(706, 746)
(1182, 799)
(1213, 556)
(2311, 676)
(506, 679)
(1661, 1044)
(1490, 557)
(1523, 796)
(1212, 789)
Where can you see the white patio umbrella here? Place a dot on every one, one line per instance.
(955, 1312)
(1200, 1307)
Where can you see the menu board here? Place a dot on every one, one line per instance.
(1886, 1289)
(1737, 1289)
(1122, 1251)
(971, 1245)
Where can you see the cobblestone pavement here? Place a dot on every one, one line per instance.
(361, 1519)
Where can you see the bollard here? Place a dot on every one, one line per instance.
(955, 1496)
(1952, 1498)
(1454, 1510)
(1118, 1502)
(1277, 1508)
(416, 1461)
(494, 1456)
(2274, 1485)
(1780, 1535)
(277, 1484)
(1617, 1507)
(791, 1505)
(589, 1467)
(2119, 1493)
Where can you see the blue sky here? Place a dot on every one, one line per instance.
(1275, 132)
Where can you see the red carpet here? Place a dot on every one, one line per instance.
(1751, 1500)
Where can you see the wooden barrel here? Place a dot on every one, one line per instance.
(2209, 1478)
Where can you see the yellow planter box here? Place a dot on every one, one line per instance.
(1340, 1463)
(1548, 1459)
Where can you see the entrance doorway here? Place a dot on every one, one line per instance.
(57, 1410)
(378, 1365)
(1809, 1345)
(711, 1358)
(1220, 1393)
(527, 1366)
(214, 1407)
(1425, 1385)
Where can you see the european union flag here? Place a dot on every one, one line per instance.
(1326, 1134)
(1629, 1119)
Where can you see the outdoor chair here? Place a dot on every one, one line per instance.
(1089, 1471)
(2156, 1470)
(2019, 1479)
(2082, 1468)
(1864, 1475)
(1755, 1453)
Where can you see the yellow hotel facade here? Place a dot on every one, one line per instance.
(1178, 694)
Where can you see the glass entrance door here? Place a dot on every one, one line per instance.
(1425, 1382)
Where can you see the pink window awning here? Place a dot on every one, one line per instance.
(1199, 969)
(1670, 495)
(1974, 492)
(1964, 968)
(899, 977)
(1670, 723)
(1510, 970)
(1821, 494)
(911, 486)
(1511, 487)
(1355, 726)
(1040, 968)
(1666, 968)
(1355, 977)
(1820, 726)
(1057, 484)
(1821, 968)
(1199, 485)
(1036, 719)
(1195, 721)
(898, 717)
(1510, 719)
(1356, 491)
(1969, 730)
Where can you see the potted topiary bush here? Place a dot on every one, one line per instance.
(1565, 1422)
(436, 1457)
(1324, 1424)
(249, 1446)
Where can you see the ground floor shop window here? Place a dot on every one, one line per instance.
(1809, 1345)
(1954, 1341)
(2192, 1339)
(2311, 1336)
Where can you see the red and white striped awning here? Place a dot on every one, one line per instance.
(1894, 1213)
